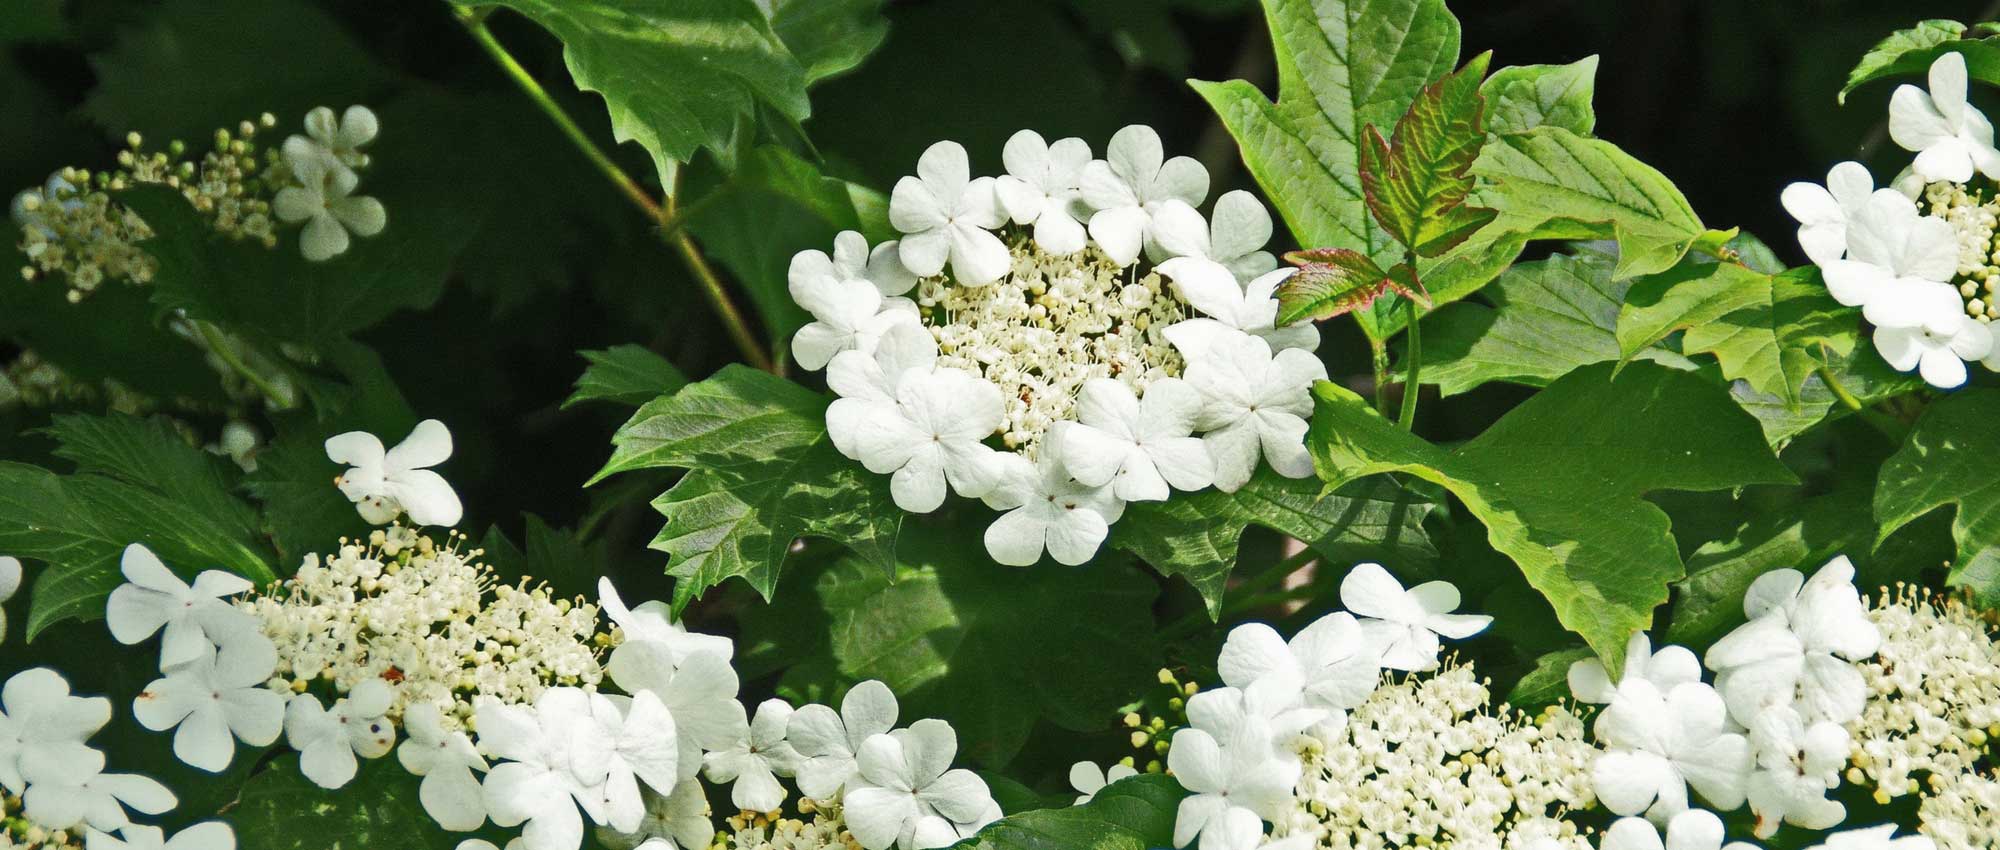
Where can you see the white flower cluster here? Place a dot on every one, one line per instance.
(1037, 327)
(1929, 281)
(73, 228)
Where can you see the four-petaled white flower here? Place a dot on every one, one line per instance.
(1660, 743)
(448, 763)
(1332, 660)
(214, 699)
(1234, 237)
(866, 383)
(827, 743)
(1672, 665)
(1140, 447)
(1950, 137)
(1824, 212)
(99, 801)
(848, 312)
(538, 785)
(1234, 787)
(191, 620)
(1404, 625)
(328, 739)
(342, 137)
(1897, 265)
(1041, 188)
(931, 435)
(325, 201)
(43, 729)
(1881, 837)
(853, 260)
(1272, 706)
(1251, 308)
(1939, 356)
(1254, 404)
(698, 689)
(677, 821)
(755, 760)
(1047, 509)
(1799, 645)
(946, 216)
(1088, 779)
(905, 792)
(654, 621)
(10, 583)
(384, 484)
(1694, 829)
(1129, 187)
(207, 835)
(632, 740)
(1796, 766)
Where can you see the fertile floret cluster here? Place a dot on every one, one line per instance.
(1080, 337)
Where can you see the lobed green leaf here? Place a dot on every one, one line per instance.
(629, 375)
(1135, 813)
(1910, 52)
(1520, 98)
(1949, 460)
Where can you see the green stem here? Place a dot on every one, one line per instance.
(670, 223)
(221, 348)
(1380, 350)
(1888, 425)
(1839, 389)
(1411, 387)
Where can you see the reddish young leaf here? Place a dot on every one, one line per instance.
(1416, 182)
(1329, 282)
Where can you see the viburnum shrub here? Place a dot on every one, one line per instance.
(1690, 548)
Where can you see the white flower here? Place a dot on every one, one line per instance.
(931, 435)
(848, 312)
(154, 599)
(325, 201)
(1129, 187)
(1660, 743)
(633, 740)
(1251, 308)
(1694, 829)
(1088, 779)
(1234, 787)
(1404, 625)
(1898, 262)
(1272, 706)
(1939, 357)
(217, 697)
(1047, 509)
(853, 260)
(699, 690)
(1796, 767)
(859, 377)
(43, 729)
(10, 583)
(756, 759)
(207, 835)
(447, 761)
(1138, 447)
(329, 739)
(343, 137)
(677, 821)
(1949, 136)
(1234, 238)
(1332, 660)
(1800, 642)
(653, 620)
(1824, 212)
(538, 785)
(1041, 188)
(1672, 665)
(99, 801)
(906, 794)
(1875, 837)
(944, 215)
(828, 743)
(384, 484)
(1254, 403)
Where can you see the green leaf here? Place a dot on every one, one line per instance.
(773, 206)
(1195, 535)
(1709, 602)
(1342, 66)
(1558, 481)
(630, 375)
(1520, 98)
(1553, 183)
(676, 75)
(1135, 813)
(1416, 183)
(102, 337)
(148, 453)
(1910, 52)
(555, 556)
(1548, 683)
(947, 630)
(762, 473)
(280, 809)
(829, 37)
(1949, 460)
(1547, 318)
(1771, 331)
(1863, 374)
